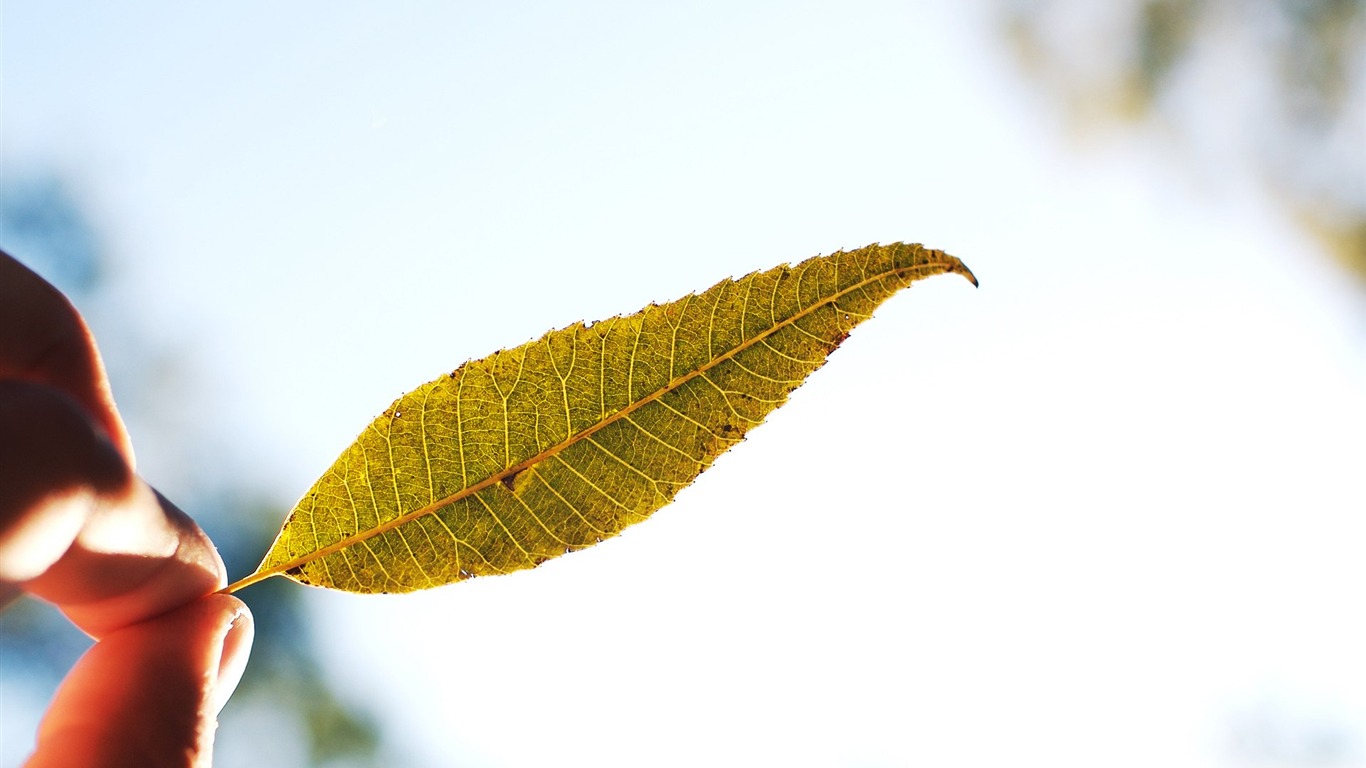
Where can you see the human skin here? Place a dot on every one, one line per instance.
(80, 529)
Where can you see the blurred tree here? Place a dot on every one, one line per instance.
(1274, 89)
(42, 225)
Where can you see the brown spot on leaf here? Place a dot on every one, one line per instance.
(509, 481)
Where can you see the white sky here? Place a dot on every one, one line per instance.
(1107, 509)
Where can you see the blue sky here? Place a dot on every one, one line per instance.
(1105, 508)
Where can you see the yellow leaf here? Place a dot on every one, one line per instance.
(562, 442)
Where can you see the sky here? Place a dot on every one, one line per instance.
(1105, 509)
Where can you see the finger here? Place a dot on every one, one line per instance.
(44, 340)
(149, 694)
(77, 526)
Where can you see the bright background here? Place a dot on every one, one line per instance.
(1106, 510)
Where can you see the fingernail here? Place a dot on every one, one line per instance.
(236, 649)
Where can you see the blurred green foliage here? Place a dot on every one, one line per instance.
(1276, 86)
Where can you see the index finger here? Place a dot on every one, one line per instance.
(77, 526)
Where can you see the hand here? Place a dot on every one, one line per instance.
(80, 529)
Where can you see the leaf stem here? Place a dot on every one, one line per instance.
(248, 581)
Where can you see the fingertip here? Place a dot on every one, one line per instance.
(136, 560)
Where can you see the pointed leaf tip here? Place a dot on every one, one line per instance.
(562, 442)
(963, 270)
(955, 265)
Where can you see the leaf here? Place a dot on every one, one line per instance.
(562, 442)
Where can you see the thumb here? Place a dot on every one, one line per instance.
(149, 694)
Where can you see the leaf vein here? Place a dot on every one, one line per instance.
(489, 508)
(662, 441)
(653, 480)
(564, 463)
(550, 487)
